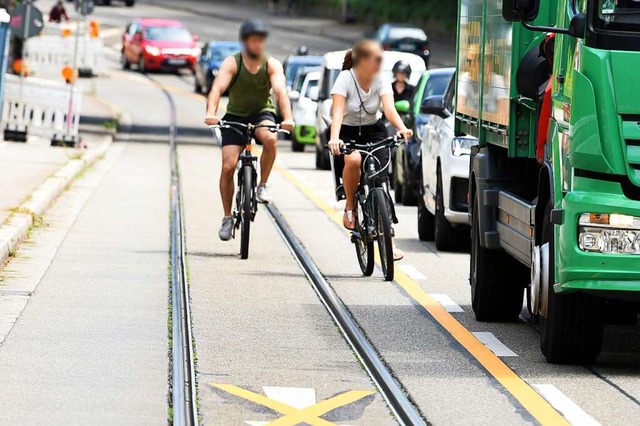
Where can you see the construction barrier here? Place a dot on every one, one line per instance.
(52, 53)
(44, 108)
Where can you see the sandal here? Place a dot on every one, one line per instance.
(398, 255)
(347, 220)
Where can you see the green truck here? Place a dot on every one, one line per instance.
(551, 89)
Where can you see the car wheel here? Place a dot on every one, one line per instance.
(397, 189)
(124, 61)
(141, 65)
(197, 86)
(425, 222)
(323, 162)
(128, 3)
(409, 197)
(444, 235)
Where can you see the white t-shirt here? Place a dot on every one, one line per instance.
(354, 114)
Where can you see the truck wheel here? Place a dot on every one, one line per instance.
(425, 222)
(571, 327)
(445, 236)
(497, 280)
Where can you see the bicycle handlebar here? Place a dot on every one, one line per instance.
(274, 128)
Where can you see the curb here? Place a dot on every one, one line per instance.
(13, 233)
(232, 18)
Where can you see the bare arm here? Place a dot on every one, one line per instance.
(394, 118)
(337, 113)
(279, 86)
(221, 83)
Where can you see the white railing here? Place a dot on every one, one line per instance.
(42, 108)
(50, 53)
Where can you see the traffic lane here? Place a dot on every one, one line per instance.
(281, 42)
(258, 323)
(448, 273)
(432, 367)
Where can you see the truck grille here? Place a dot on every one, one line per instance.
(631, 134)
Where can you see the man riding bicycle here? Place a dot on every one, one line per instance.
(250, 76)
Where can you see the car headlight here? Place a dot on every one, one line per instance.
(462, 146)
(196, 51)
(152, 50)
(609, 233)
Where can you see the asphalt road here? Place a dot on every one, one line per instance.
(258, 326)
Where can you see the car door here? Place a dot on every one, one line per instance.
(201, 67)
(130, 41)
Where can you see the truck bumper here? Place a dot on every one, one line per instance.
(579, 270)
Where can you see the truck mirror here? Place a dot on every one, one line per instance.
(520, 10)
(578, 25)
(434, 105)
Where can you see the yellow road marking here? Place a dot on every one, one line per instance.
(532, 401)
(293, 416)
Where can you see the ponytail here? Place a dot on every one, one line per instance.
(347, 64)
(361, 50)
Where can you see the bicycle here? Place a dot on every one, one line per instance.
(374, 211)
(246, 198)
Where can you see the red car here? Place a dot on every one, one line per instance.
(159, 44)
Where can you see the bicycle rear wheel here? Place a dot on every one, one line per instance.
(246, 215)
(384, 235)
(364, 246)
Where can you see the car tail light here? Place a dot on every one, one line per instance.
(387, 46)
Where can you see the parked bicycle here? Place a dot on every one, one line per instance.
(374, 214)
(246, 199)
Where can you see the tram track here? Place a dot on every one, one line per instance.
(183, 377)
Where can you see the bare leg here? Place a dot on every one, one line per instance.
(230, 156)
(269, 142)
(351, 178)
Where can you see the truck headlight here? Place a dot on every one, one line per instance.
(462, 146)
(609, 233)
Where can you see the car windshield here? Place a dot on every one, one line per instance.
(436, 85)
(310, 85)
(167, 34)
(398, 33)
(619, 15)
(219, 53)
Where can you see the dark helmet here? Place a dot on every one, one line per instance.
(402, 67)
(303, 51)
(253, 27)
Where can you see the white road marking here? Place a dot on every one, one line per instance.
(569, 409)
(447, 303)
(494, 345)
(412, 272)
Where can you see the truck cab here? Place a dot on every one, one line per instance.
(549, 89)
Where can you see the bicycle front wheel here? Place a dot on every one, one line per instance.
(246, 214)
(384, 234)
(364, 245)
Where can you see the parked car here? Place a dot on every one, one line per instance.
(304, 113)
(331, 67)
(128, 3)
(293, 63)
(298, 81)
(443, 209)
(210, 61)
(407, 168)
(159, 44)
(403, 38)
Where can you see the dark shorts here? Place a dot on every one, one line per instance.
(372, 133)
(231, 137)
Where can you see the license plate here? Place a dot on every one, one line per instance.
(176, 61)
(406, 46)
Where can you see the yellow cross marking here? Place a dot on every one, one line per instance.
(293, 416)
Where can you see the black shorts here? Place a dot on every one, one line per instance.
(231, 137)
(371, 133)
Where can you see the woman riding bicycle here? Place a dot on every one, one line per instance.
(358, 94)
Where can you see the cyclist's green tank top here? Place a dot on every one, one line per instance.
(250, 94)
